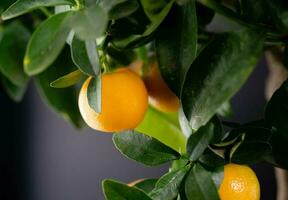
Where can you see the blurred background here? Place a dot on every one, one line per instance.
(45, 158)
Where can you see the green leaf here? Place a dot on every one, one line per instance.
(63, 101)
(163, 128)
(21, 7)
(147, 185)
(217, 176)
(253, 146)
(184, 123)
(12, 49)
(117, 191)
(199, 141)
(94, 93)
(90, 22)
(158, 17)
(176, 45)
(85, 56)
(46, 43)
(276, 112)
(123, 9)
(199, 185)
(225, 110)
(167, 187)
(143, 149)
(211, 159)
(68, 80)
(15, 92)
(218, 73)
(250, 152)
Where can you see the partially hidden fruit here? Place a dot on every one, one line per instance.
(160, 96)
(239, 183)
(124, 102)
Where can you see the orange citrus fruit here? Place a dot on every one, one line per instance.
(160, 96)
(239, 183)
(124, 102)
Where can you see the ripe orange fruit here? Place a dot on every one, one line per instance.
(239, 183)
(124, 102)
(160, 96)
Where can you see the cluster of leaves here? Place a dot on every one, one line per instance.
(61, 42)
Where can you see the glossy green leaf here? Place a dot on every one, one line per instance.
(184, 123)
(64, 101)
(117, 191)
(219, 72)
(161, 127)
(199, 141)
(46, 43)
(85, 56)
(68, 80)
(143, 149)
(176, 45)
(94, 93)
(167, 187)
(147, 185)
(12, 49)
(21, 7)
(199, 185)
(90, 22)
(15, 92)
(276, 112)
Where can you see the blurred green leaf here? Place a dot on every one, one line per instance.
(143, 149)
(12, 49)
(219, 72)
(90, 22)
(68, 80)
(217, 176)
(167, 187)
(117, 191)
(147, 185)
(123, 9)
(199, 141)
(21, 7)
(64, 101)
(94, 93)
(176, 45)
(199, 185)
(15, 92)
(161, 127)
(225, 110)
(46, 43)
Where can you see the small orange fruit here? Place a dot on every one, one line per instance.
(124, 102)
(160, 96)
(239, 183)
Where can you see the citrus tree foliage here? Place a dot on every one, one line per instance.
(59, 43)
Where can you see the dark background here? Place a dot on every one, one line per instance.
(45, 158)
